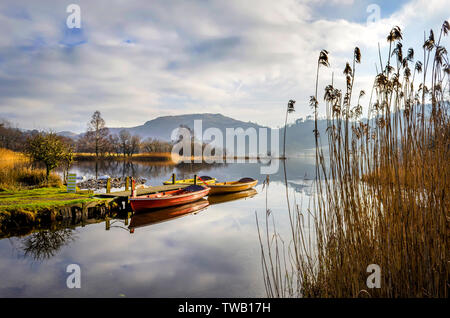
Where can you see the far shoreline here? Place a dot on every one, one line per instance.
(167, 157)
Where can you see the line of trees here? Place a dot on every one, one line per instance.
(12, 137)
(100, 141)
(96, 140)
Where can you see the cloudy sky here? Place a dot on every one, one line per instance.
(137, 60)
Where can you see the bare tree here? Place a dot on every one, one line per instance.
(129, 144)
(125, 141)
(97, 133)
(135, 144)
(155, 145)
(114, 144)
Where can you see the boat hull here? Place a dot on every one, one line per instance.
(143, 204)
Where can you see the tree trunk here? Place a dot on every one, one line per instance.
(47, 175)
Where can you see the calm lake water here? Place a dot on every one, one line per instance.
(212, 253)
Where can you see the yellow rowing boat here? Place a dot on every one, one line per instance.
(233, 186)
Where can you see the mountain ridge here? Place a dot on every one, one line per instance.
(299, 134)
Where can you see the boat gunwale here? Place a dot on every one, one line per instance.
(142, 198)
(237, 184)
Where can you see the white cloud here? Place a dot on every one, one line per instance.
(146, 59)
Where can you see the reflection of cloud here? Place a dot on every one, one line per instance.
(305, 187)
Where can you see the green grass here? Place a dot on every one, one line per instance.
(39, 199)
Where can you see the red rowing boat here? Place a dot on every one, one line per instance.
(169, 198)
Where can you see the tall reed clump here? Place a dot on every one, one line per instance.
(381, 194)
(15, 172)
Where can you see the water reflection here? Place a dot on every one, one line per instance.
(214, 254)
(120, 168)
(222, 198)
(155, 173)
(46, 243)
(167, 214)
(117, 223)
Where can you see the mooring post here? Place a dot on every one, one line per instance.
(195, 179)
(108, 185)
(174, 178)
(133, 187)
(107, 224)
(127, 183)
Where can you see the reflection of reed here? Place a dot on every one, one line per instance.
(274, 268)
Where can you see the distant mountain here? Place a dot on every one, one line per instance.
(300, 138)
(162, 127)
(68, 134)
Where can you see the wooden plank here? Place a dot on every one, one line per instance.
(142, 191)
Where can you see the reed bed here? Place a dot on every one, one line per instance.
(9, 157)
(16, 172)
(381, 194)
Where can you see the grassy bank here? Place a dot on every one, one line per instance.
(24, 208)
(26, 199)
(39, 199)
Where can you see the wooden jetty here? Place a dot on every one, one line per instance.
(141, 191)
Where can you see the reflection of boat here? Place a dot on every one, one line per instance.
(233, 186)
(226, 197)
(169, 198)
(167, 214)
(200, 180)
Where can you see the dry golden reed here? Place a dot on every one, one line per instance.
(15, 172)
(381, 192)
